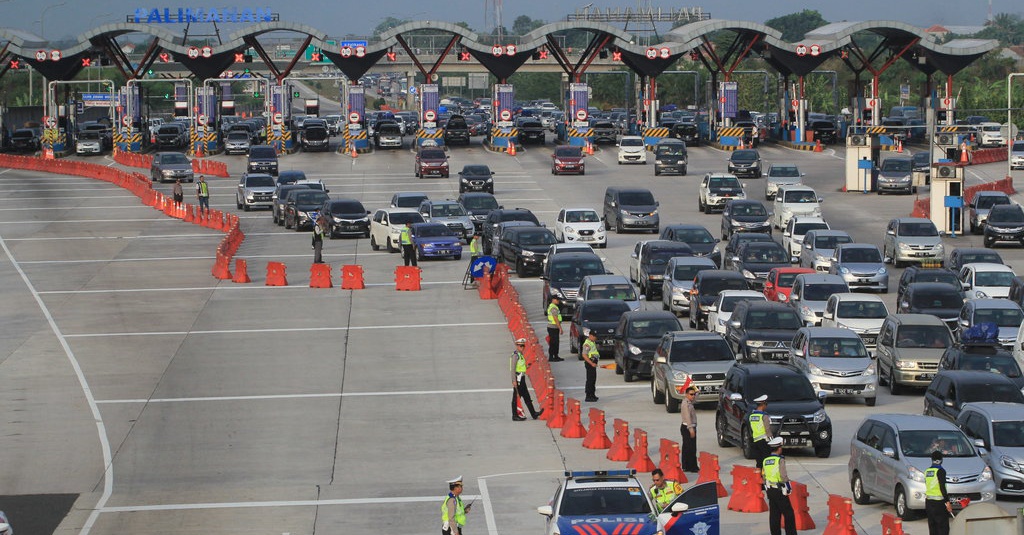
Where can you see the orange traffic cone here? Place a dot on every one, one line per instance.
(511, 148)
(964, 158)
(899, 146)
(354, 153)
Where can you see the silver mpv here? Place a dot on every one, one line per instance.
(890, 453)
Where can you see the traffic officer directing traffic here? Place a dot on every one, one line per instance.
(663, 491)
(777, 486)
(554, 316)
(936, 500)
(760, 429)
(590, 358)
(453, 511)
(517, 364)
(474, 247)
(408, 251)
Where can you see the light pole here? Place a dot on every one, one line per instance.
(1009, 121)
(42, 18)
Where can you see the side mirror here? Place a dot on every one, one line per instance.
(889, 452)
(965, 323)
(821, 199)
(660, 359)
(735, 324)
(679, 507)
(891, 232)
(735, 396)
(545, 510)
(822, 396)
(734, 259)
(829, 315)
(979, 443)
(632, 255)
(643, 297)
(834, 260)
(787, 234)
(949, 403)
(712, 308)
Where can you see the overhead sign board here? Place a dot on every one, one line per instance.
(354, 44)
(187, 15)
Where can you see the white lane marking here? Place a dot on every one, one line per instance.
(134, 206)
(153, 237)
(21, 200)
(289, 330)
(108, 465)
(220, 288)
(492, 526)
(157, 218)
(329, 395)
(292, 503)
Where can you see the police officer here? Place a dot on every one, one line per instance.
(474, 246)
(453, 511)
(408, 250)
(590, 357)
(318, 238)
(777, 486)
(554, 316)
(663, 491)
(936, 501)
(760, 430)
(203, 194)
(517, 364)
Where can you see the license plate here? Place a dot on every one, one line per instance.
(863, 280)
(586, 238)
(926, 376)
(607, 342)
(794, 441)
(708, 389)
(845, 391)
(443, 251)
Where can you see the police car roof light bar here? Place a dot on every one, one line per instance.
(599, 473)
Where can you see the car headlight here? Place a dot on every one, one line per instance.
(782, 297)
(570, 230)
(978, 294)
(939, 248)
(680, 376)
(882, 271)
(870, 370)
(558, 162)
(904, 245)
(635, 350)
(624, 212)
(1011, 463)
(906, 364)
(755, 343)
(806, 311)
(300, 213)
(681, 292)
(464, 179)
(813, 369)
(528, 253)
(168, 172)
(819, 416)
(748, 274)
(555, 292)
(821, 259)
(916, 474)
(336, 219)
(444, 164)
(659, 162)
(844, 270)
(986, 474)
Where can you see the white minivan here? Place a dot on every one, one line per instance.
(795, 200)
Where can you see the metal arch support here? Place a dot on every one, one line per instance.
(559, 54)
(741, 56)
(590, 54)
(427, 74)
(147, 58)
(278, 74)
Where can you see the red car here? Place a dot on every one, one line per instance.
(780, 282)
(431, 161)
(567, 159)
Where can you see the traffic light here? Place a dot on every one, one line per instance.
(295, 94)
(256, 94)
(149, 73)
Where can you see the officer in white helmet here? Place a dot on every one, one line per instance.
(760, 429)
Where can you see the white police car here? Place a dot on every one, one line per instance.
(615, 502)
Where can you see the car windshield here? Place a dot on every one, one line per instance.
(821, 292)
(947, 277)
(262, 152)
(990, 257)
(582, 216)
(432, 154)
(401, 218)
(766, 255)
(861, 310)
(568, 152)
(89, 134)
(921, 159)
(974, 392)
(1008, 434)
(447, 210)
(785, 280)
(661, 257)
(604, 312)
(480, 203)
(830, 242)
(784, 171)
(988, 201)
(631, 142)
(901, 165)
(537, 237)
(800, 196)
(591, 501)
(717, 182)
(918, 336)
(993, 278)
(937, 299)
(476, 170)
(744, 156)
(1003, 317)
(1003, 364)
(783, 388)
(728, 303)
(847, 347)
(612, 291)
(714, 286)
(310, 197)
(636, 198)
(918, 229)
(707, 350)
(174, 158)
(575, 270)
(749, 209)
(697, 235)
(1011, 214)
(238, 136)
(669, 149)
(799, 229)
(433, 231)
(773, 319)
(862, 255)
(409, 201)
(923, 443)
(347, 208)
(259, 181)
(684, 272)
(652, 328)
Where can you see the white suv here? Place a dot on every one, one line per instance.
(632, 150)
(991, 135)
(794, 200)
(580, 225)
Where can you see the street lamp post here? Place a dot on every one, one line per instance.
(42, 18)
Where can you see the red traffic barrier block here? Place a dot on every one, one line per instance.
(840, 516)
(190, 213)
(221, 269)
(557, 418)
(276, 274)
(891, 524)
(485, 287)
(597, 438)
(547, 399)
(573, 427)
(407, 278)
(640, 460)
(747, 494)
(241, 272)
(802, 512)
(709, 471)
(320, 276)
(352, 277)
(669, 464)
(620, 450)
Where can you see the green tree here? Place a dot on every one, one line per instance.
(795, 25)
(524, 25)
(1007, 28)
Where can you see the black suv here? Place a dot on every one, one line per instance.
(697, 237)
(456, 130)
(762, 330)
(950, 389)
(755, 259)
(563, 273)
(824, 131)
(531, 130)
(986, 356)
(478, 205)
(688, 132)
(723, 257)
(742, 215)
(525, 248)
(794, 411)
(476, 177)
(600, 316)
(604, 132)
(303, 208)
(706, 287)
(500, 216)
(1005, 223)
(936, 298)
(346, 217)
(262, 159)
(966, 255)
(636, 337)
(919, 274)
(745, 162)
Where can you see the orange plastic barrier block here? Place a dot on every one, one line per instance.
(276, 274)
(320, 276)
(407, 278)
(352, 277)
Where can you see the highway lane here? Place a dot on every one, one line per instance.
(230, 408)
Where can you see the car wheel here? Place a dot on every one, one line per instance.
(857, 487)
(287, 224)
(974, 227)
(700, 204)
(683, 171)
(693, 324)
(618, 226)
(988, 242)
(458, 257)
(657, 172)
(391, 246)
(823, 452)
(672, 404)
(894, 387)
(664, 305)
(520, 269)
(903, 510)
(747, 443)
(238, 204)
(621, 370)
(882, 379)
(657, 396)
(373, 244)
(723, 442)
(870, 402)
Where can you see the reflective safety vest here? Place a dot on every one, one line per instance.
(664, 496)
(932, 491)
(474, 246)
(519, 362)
(204, 189)
(554, 315)
(590, 350)
(770, 470)
(460, 510)
(757, 429)
(406, 237)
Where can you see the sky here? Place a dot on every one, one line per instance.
(69, 18)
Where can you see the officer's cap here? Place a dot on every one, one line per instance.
(775, 442)
(521, 341)
(761, 399)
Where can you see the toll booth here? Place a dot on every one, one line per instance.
(578, 132)
(861, 147)
(206, 139)
(946, 200)
(504, 132)
(430, 106)
(129, 129)
(355, 131)
(279, 135)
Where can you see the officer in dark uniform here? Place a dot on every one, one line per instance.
(760, 429)
(936, 500)
(777, 487)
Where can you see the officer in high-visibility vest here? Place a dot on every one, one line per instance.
(936, 500)
(203, 194)
(517, 365)
(475, 249)
(590, 356)
(663, 491)
(554, 317)
(776, 484)
(408, 250)
(453, 511)
(760, 429)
